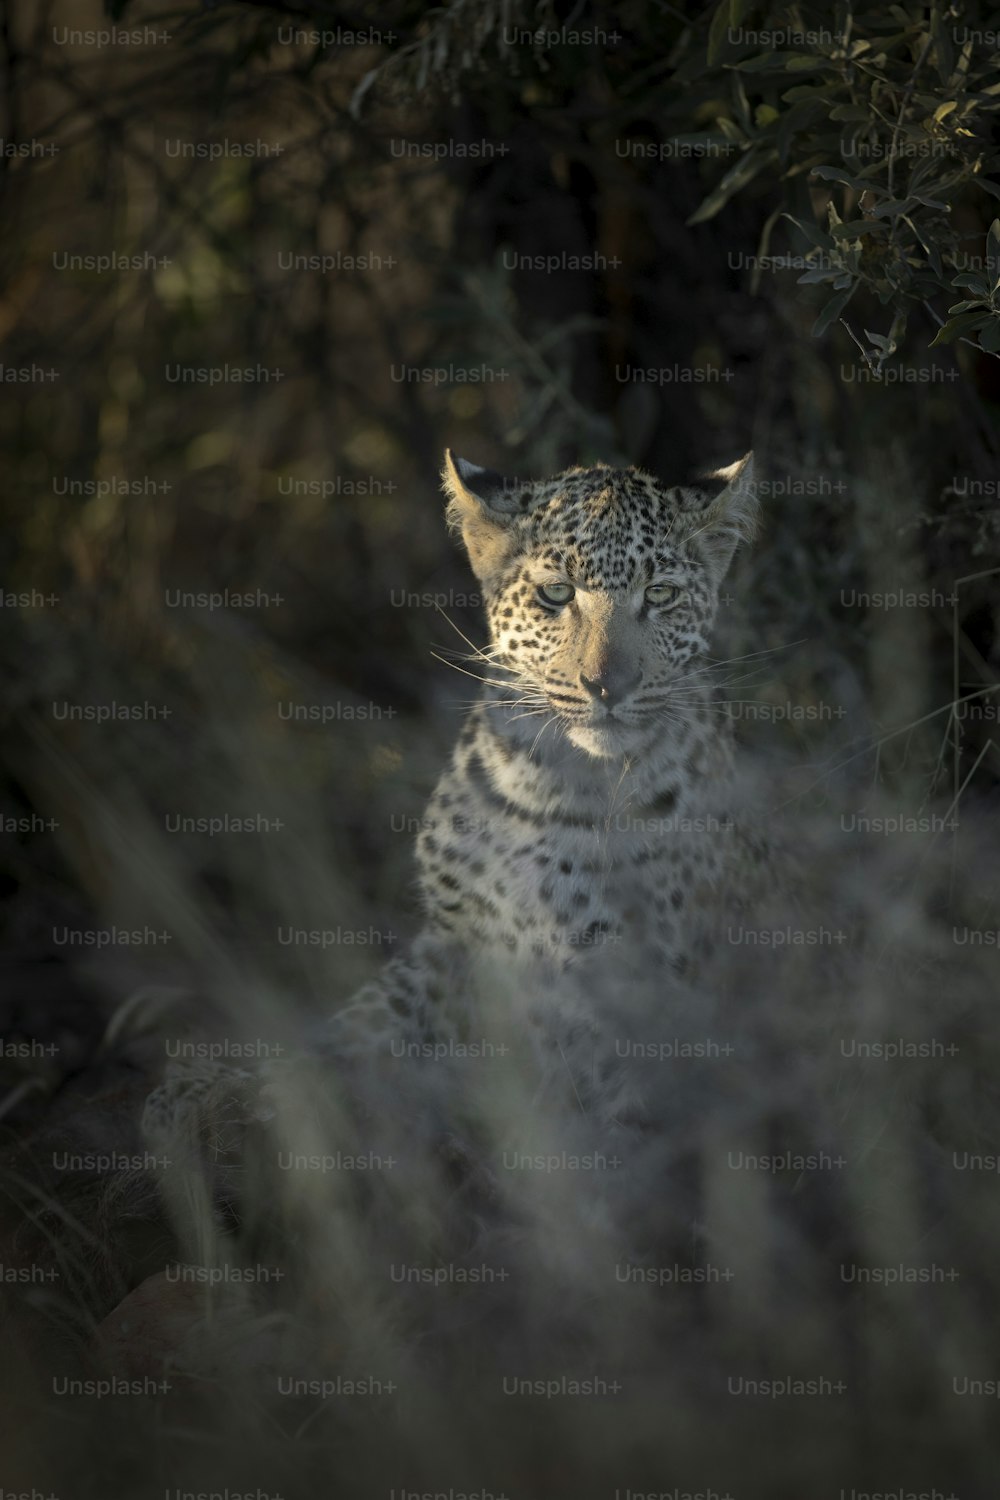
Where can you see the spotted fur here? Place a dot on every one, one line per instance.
(588, 802)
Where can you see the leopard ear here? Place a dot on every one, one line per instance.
(470, 487)
(483, 505)
(729, 511)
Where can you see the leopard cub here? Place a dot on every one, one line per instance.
(589, 800)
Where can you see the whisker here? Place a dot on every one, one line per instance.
(712, 664)
(537, 704)
(540, 733)
(511, 702)
(488, 654)
(454, 627)
(490, 681)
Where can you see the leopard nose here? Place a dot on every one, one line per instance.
(610, 688)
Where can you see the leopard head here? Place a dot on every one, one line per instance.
(601, 587)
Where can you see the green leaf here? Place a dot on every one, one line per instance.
(928, 100)
(892, 208)
(718, 33)
(990, 337)
(993, 254)
(731, 130)
(928, 246)
(742, 102)
(853, 227)
(944, 57)
(972, 283)
(810, 231)
(783, 62)
(955, 327)
(815, 159)
(761, 62)
(812, 91)
(837, 174)
(850, 112)
(833, 309)
(944, 109)
(763, 245)
(736, 178)
(964, 59)
(798, 62)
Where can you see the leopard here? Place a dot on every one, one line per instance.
(578, 852)
(588, 835)
(589, 809)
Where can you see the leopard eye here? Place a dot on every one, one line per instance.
(556, 593)
(663, 594)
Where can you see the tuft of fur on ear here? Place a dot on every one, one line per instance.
(730, 511)
(483, 506)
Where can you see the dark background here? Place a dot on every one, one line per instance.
(658, 160)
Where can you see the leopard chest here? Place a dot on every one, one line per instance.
(533, 879)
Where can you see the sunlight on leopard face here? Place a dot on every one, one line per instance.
(601, 588)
